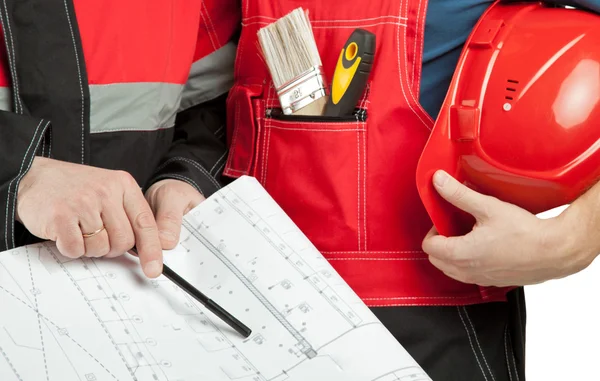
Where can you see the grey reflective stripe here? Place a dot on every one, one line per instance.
(210, 77)
(5, 99)
(139, 106)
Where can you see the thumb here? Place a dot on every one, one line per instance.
(460, 195)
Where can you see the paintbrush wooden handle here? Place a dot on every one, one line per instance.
(316, 108)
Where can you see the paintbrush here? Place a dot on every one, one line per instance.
(290, 51)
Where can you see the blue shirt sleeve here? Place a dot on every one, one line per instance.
(448, 24)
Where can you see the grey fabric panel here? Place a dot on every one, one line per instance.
(144, 106)
(5, 99)
(210, 77)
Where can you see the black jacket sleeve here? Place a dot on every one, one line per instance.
(21, 139)
(199, 149)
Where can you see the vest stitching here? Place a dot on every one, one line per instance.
(80, 82)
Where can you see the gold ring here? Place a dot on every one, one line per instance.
(89, 235)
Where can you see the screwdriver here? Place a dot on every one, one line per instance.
(351, 73)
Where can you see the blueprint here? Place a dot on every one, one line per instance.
(101, 320)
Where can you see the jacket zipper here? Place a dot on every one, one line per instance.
(360, 115)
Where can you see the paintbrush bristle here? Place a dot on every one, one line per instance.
(289, 47)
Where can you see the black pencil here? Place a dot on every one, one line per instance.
(207, 302)
(204, 300)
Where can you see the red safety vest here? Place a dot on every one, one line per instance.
(349, 185)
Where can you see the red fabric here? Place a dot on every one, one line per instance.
(349, 186)
(4, 69)
(148, 41)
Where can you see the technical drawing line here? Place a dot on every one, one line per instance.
(91, 308)
(225, 338)
(397, 370)
(292, 263)
(108, 286)
(10, 363)
(19, 345)
(37, 310)
(57, 327)
(15, 281)
(307, 347)
(63, 350)
(347, 332)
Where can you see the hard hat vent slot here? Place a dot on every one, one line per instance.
(511, 87)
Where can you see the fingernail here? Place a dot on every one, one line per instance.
(153, 269)
(167, 235)
(440, 178)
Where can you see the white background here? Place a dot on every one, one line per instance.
(563, 327)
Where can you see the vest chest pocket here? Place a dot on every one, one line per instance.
(315, 168)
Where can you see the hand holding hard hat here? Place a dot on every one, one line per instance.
(519, 134)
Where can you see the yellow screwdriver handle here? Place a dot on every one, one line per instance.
(351, 73)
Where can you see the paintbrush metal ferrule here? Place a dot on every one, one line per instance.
(302, 90)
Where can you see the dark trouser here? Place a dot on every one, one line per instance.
(483, 342)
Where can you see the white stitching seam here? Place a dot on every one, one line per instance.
(358, 208)
(196, 165)
(332, 21)
(219, 130)
(313, 129)
(33, 138)
(508, 364)
(376, 259)
(471, 342)
(212, 26)
(220, 169)
(474, 296)
(210, 36)
(421, 41)
(419, 111)
(50, 145)
(364, 105)
(354, 26)
(14, 204)
(416, 42)
(268, 149)
(263, 139)
(513, 356)
(478, 344)
(217, 162)
(80, 83)
(400, 69)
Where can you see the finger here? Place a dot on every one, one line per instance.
(145, 231)
(443, 248)
(169, 213)
(120, 232)
(461, 196)
(67, 234)
(432, 233)
(450, 270)
(98, 244)
(196, 199)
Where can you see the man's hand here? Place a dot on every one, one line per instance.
(508, 245)
(170, 201)
(62, 202)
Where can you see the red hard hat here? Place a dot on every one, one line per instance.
(521, 120)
